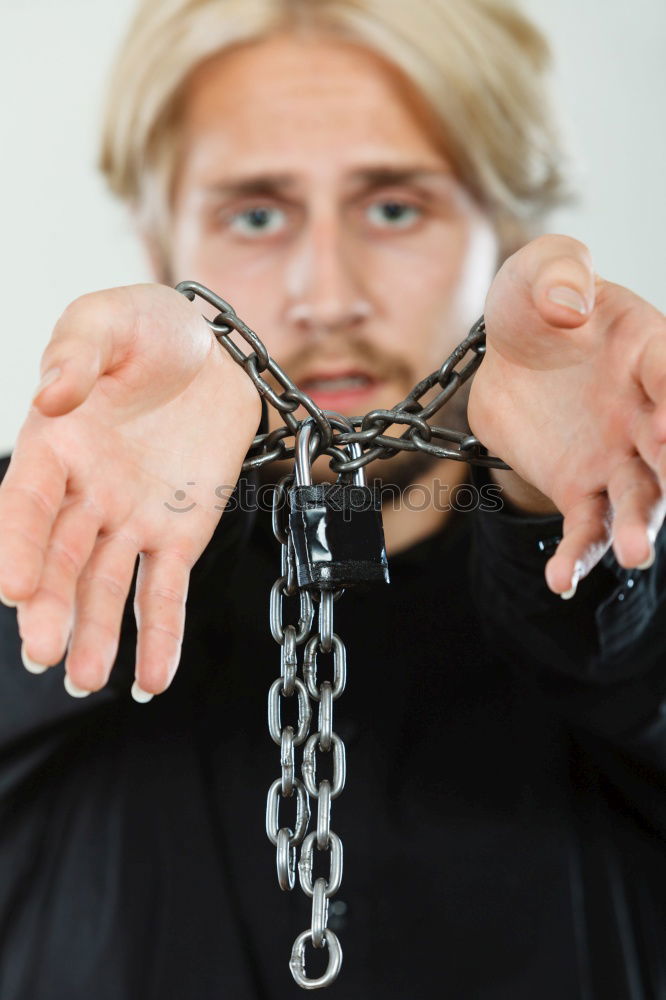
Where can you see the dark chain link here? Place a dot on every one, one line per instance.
(369, 431)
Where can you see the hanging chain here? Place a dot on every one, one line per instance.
(362, 440)
(307, 693)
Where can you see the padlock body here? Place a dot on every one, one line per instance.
(338, 536)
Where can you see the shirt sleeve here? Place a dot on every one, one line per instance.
(600, 657)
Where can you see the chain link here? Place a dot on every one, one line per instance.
(352, 444)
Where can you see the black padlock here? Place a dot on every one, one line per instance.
(336, 528)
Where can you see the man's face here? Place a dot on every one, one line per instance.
(311, 196)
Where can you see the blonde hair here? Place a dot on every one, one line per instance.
(480, 65)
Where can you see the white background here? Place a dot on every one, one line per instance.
(62, 235)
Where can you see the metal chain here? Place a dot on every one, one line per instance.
(325, 740)
(368, 431)
(362, 440)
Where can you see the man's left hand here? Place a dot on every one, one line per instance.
(572, 395)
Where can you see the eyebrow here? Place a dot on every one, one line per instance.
(386, 176)
(263, 185)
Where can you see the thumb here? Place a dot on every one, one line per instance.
(544, 290)
(85, 343)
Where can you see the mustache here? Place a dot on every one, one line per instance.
(361, 354)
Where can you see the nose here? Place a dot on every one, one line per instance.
(324, 283)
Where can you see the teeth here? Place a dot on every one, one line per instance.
(338, 384)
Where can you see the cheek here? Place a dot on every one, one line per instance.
(432, 289)
(253, 286)
(478, 268)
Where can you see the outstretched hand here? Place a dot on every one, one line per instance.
(137, 398)
(572, 395)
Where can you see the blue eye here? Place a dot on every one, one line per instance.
(393, 214)
(258, 221)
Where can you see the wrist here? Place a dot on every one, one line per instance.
(521, 495)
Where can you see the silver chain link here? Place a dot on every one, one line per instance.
(306, 690)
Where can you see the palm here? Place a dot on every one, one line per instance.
(130, 464)
(93, 487)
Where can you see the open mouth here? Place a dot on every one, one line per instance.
(337, 383)
(344, 391)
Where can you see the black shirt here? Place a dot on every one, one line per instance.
(503, 821)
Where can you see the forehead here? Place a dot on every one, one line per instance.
(288, 105)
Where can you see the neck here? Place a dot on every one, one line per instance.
(423, 507)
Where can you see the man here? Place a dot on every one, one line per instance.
(504, 815)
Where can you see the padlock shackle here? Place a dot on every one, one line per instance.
(303, 452)
(306, 446)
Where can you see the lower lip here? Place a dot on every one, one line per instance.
(348, 401)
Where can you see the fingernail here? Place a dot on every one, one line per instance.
(6, 601)
(561, 295)
(568, 594)
(139, 694)
(650, 559)
(47, 379)
(74, 689)
(31, 665)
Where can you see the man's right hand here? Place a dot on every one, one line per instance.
(146, 402)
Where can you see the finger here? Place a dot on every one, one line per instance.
(649, 428)
(161, 591)
(89, 339)
(562, 281)
(586, 537)
(137, 329)
(543, 290)
(101, 595)
(45, 619)
(649, 437)
(638, 507)
(659, 422)
(30, 498)
(652, 367)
